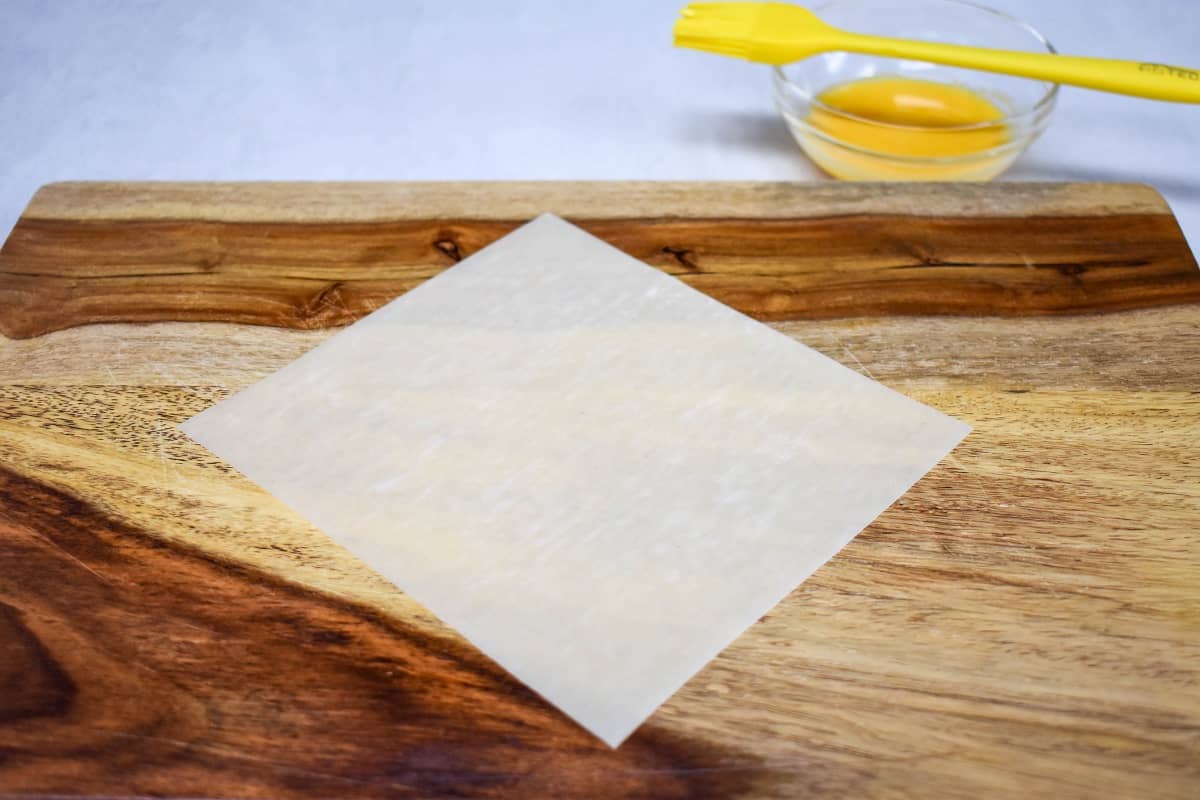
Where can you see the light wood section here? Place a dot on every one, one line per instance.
(1024, 622)
(299, 202)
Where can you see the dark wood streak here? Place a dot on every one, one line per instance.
(31, 682)
(135, 667)
(57, 274)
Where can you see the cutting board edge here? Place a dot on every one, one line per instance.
(368, 201)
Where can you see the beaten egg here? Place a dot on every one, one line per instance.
(894, 128)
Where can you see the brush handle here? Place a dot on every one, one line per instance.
(1140, 79)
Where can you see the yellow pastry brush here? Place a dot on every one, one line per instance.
(778, 33)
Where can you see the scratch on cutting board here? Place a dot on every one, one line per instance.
(71, 556)
(861, 365)
(168, 475)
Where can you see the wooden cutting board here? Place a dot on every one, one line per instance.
(1024, 622)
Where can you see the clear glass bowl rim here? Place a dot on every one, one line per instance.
(1040, 108)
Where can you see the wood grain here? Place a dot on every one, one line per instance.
(64, 266)
(1024, 622)
(329, 202)
(179, 674)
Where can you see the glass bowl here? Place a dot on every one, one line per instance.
(1025, 104)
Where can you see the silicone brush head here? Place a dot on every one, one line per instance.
(769, 33)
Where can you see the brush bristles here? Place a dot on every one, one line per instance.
(725, 13)
(722, 47)
(721, 28)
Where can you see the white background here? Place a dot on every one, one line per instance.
(398, 89)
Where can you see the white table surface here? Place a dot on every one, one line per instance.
(544, 89)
